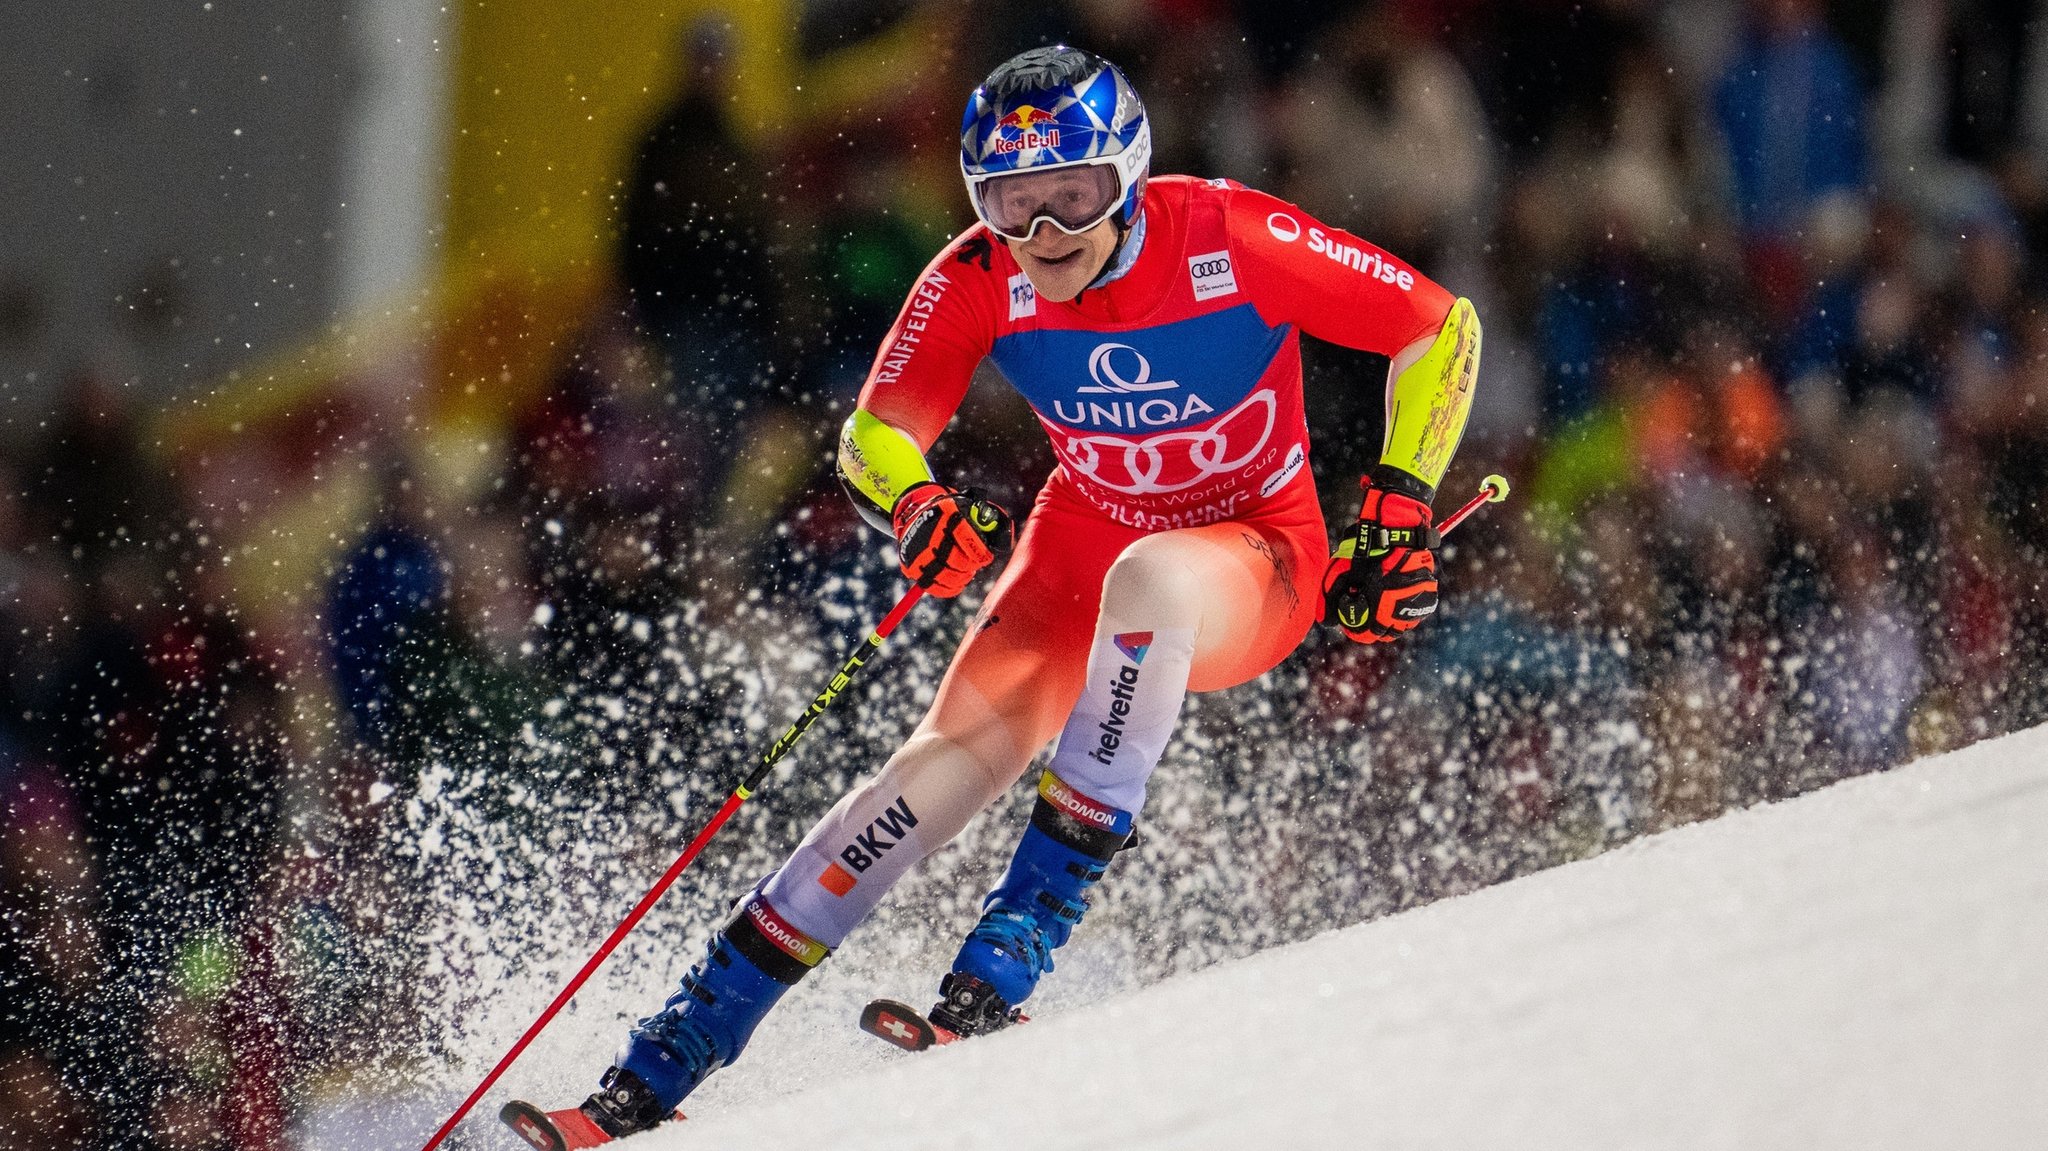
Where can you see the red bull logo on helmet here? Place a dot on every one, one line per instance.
(1034, 128)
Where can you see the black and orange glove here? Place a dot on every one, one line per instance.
(1382, 578)
(946, 536)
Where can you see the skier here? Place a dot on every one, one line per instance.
(1153, 324)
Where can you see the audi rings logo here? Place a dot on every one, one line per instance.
(1284, 227)
(1176, 461)
(1102, 368)
(1210, 275)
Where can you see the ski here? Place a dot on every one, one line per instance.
(901, 1025)
(565, 1130)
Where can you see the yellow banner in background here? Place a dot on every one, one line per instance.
(550, 100)
(549, 104)
(546, 106)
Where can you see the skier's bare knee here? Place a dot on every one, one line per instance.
(1153, 580)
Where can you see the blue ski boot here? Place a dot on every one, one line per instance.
(1033, 910)
(706, 1024)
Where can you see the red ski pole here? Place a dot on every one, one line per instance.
(833, 690)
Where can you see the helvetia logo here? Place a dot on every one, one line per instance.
(1110, 734)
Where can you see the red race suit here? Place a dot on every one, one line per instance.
(1173, 394)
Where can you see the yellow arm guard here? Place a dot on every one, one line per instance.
(877, 464)
(1428, 402)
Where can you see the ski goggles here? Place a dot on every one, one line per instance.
(1073, 199)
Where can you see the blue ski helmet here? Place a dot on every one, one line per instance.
(1048, 110)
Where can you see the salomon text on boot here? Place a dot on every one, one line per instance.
(705, 1025)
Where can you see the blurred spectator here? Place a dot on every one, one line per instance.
(1208, 114)
(1791, 108)
(1386, 138)
(417, 678)
(1720, 418)
(53, 951)
(1552, 67)
(1867, 668)
(696, 243)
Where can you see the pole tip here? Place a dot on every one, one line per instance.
(1495, 487)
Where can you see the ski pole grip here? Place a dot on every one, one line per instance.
(994, 524)
(1492, 490)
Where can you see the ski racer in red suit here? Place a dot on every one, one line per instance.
(1154, 325)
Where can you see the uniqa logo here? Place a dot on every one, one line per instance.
(1108, 381)
(1284, 227)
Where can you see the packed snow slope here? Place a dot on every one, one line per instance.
(1864, 967)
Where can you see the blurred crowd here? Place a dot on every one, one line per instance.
(1766, 355)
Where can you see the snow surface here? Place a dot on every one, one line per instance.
(1863, 967)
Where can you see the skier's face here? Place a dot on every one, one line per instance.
(1060, 265)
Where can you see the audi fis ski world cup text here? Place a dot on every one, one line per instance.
(1212, 274)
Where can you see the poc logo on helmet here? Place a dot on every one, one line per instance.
(1109, 380)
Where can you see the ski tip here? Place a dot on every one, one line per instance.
(898, 1024)
(533, 1125)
